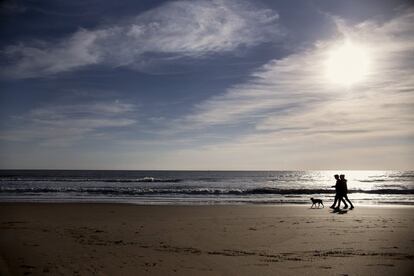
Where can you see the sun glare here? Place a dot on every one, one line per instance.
(347, 64)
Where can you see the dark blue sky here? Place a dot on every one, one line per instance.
(201, 85)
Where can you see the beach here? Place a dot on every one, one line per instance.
(126, 239)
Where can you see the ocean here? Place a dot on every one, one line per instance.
(203, 187)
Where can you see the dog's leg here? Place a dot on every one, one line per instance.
(322, 205)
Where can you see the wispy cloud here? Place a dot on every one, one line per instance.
(63, 125)
(11, 7)
(174, 30)
(289, 108)
(297, 85)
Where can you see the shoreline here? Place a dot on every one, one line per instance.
(206, 204)
(128, 239)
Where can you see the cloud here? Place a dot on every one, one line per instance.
(296, 84)
(11, 7)
(289, 110)
(178, 29)
(41, 58)
(63, 125)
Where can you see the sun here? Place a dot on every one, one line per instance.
(347, 64)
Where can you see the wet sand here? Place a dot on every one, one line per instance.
(122, 239)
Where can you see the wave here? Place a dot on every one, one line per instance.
(113, 180)
(375, 180)
(199, 191)
(386, 180)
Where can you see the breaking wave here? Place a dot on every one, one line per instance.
(199, 191)
(110, 180)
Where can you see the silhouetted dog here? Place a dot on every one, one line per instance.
(316, 201)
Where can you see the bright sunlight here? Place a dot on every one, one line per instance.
(347, 64)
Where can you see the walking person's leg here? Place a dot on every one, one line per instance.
(336, 200)
(349, 201)
(345, 204)
(339, 202)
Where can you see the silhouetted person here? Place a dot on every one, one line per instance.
(339, 192)
(344, 187)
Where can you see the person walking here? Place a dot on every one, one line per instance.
(344, 187)
(339, 191)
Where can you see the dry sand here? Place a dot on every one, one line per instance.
(121, 239)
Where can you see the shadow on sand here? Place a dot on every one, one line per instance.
(339, 211)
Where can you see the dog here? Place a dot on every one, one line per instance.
(316, 201)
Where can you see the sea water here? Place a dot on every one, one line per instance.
(203, 187)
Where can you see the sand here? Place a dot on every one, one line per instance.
(122, 239)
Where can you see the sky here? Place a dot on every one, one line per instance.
(207, 85)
